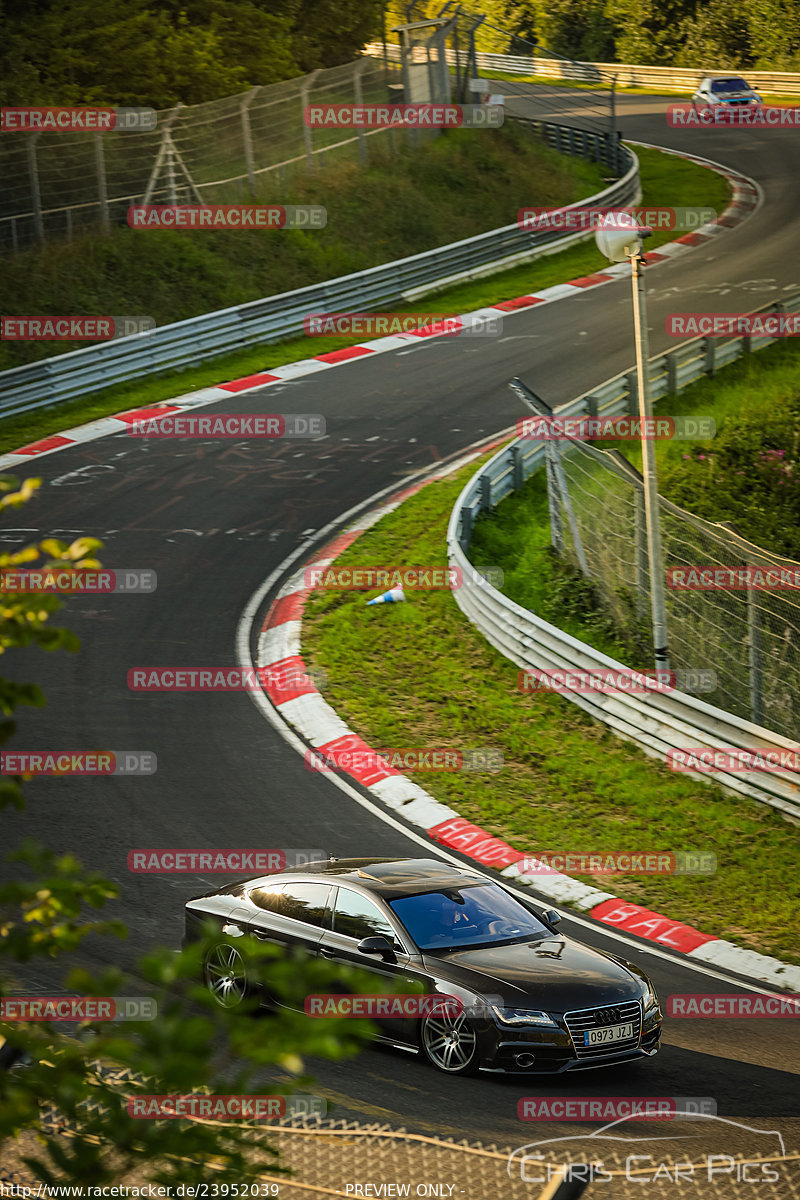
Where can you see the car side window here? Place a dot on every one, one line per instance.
(300, 901)
(358, 917)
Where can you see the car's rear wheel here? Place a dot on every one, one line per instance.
(450, 1044)
(225, 975)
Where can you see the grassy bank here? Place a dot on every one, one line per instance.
(418, 674)
(665, 181)
(400, 203)
(748, 474)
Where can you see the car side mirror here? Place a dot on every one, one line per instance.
(551, 916)
(378, 945)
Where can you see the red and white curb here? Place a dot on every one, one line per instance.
(746, 197)
(286, 681)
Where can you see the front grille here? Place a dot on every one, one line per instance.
(598, 1018)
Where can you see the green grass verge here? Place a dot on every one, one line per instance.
(666, 181)
(418, 674)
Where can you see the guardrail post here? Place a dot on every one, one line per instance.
(466, 529)
(672, 373)
(36, 195)
(633, 394)
(710, 348)
(102, 189)
(485, 491)
(754, 658)
(518, 472)
(592, 405)
(747, 346)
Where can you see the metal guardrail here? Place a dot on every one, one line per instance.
(667, 79)
(185, 343)
(659, 721)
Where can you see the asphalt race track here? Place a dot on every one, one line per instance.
(215, 518)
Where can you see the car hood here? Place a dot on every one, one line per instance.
(736, 96)
(555, 974)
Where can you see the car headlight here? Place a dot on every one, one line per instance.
(523, 1016)
(650, 999)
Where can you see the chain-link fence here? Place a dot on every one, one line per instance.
(238, 148)
(749, 637)
(729, 1160)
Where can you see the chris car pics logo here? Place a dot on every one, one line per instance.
(619, 1151)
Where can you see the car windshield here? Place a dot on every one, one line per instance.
(730, 85)
(462, 916)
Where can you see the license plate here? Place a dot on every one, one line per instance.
(611, 1033)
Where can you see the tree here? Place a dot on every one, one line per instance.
(130, 52)
(328, 33)
(717, 38)
(191, 1046)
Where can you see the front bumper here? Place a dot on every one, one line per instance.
(553, 1050)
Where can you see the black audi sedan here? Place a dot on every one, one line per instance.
(527, 998)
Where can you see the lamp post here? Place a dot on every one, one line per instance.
(618, 238)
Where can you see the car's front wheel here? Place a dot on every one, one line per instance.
(225, 975)
(450, 1044)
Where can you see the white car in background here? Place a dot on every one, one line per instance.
(728, 91)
